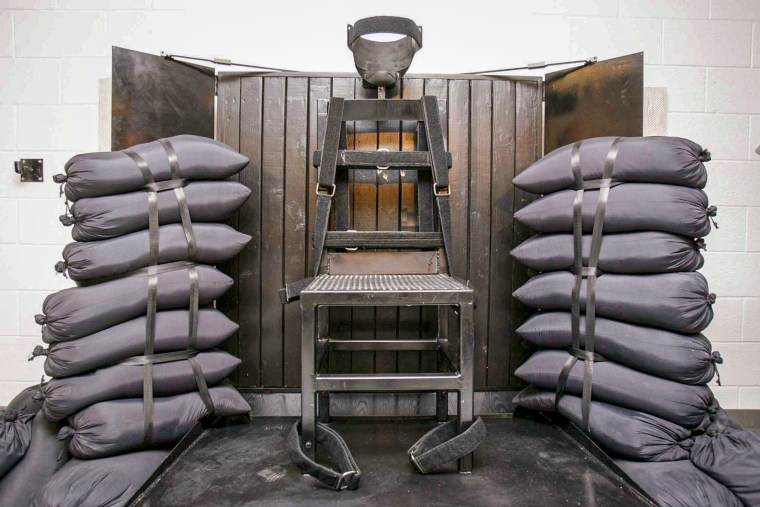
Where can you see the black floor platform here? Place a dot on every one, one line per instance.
(524, 461)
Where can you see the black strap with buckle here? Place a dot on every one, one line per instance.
(348, 474)
(590, 273)
(439, 446)
(149, 358)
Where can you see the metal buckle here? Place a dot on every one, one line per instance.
(442, 191)
(384, 167)
(413, 459)
(330, 194)
(354, 248)
(341, 485)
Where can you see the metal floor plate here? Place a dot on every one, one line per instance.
(385, 283)
(523, 461)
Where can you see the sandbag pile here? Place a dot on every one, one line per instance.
(132, 350)
(621, 311)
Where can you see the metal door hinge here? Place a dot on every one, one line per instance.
(30, 169)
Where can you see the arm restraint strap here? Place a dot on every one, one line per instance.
(348, 474)
(150, 321)
(325, 194)
(439, 163)
(590, 273)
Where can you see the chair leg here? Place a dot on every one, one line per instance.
(441, 406)
(323, 407)
(466, 359)
(308, 384)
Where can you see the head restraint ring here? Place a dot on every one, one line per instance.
(381, 64)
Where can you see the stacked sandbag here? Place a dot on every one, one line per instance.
(132, 351)
(621, 308)
(16, 427)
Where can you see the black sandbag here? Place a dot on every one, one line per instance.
(113, 172)
(685, 358)
(28, 401)
(656, 159)
(115, 427)
(15, 436)
(631, 207)
(622, 432)
(733, 459)
(66, 396)
(678, 484)
(100, 218)
(625, 253)
(74, 357)
(107, 482)
(680, 302)
(94, 260)
(81, 311)
(685, 405)
(45, 455)
(722, 422)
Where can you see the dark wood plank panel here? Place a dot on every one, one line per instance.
(500, 324)
(276, 121)
(409, 316)
(340, 317)
(249, 273)
(480, 218)
(364, 218)
(295, 245)
(228, 122)
(459, 176)
(272, 219)
(527, 148)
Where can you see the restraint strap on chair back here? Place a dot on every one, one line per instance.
(589, 272)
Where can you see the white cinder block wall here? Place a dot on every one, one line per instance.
(705, 52)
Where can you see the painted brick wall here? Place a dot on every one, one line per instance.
(705, 52)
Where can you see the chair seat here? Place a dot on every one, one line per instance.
(387, 289)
